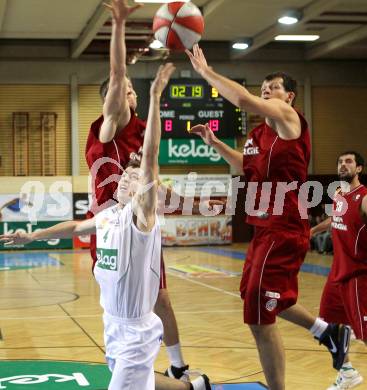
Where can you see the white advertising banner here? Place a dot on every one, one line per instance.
(194, 184)
(196, 230)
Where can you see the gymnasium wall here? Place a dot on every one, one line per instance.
(339, 124)
(90, 108)
(35, 99)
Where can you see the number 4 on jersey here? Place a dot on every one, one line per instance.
(106, 235)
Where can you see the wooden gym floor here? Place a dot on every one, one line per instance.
(52, 312)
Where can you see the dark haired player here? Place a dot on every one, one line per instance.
(277, 152)
(344, 297)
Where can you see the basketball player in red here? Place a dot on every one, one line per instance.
(115, 138)
(344, 297)
(276, 152)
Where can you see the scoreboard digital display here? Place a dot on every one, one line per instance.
(188, 102)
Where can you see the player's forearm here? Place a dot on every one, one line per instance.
(233, 157)
(152, 136)
(229, 89)
(61, 230)
(321, 227)
(149, 161)
(115, 107)
(118, 50)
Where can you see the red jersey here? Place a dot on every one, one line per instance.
(349, 235)
(107, 160)
(275, 169)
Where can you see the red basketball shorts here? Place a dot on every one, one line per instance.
(349, 300)
(331, 304)
(269, 282)
(93, 244)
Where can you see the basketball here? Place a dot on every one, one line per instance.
(178, 25)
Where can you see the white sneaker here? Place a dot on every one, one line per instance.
(201, 383)
(347, 378)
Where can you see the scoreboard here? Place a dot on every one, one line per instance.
(187, 102)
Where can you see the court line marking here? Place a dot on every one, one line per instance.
(69, 316)
(205, 285)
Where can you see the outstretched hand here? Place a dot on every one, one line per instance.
(18, 238)
(198, 59)
(120, 10)
(205, 132)
(161, 79)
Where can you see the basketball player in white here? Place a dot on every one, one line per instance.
(128, 264)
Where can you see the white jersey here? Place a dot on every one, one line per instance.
(128, 263)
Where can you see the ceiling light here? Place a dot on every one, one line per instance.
(242, 43)
(156, 44)
(300, 38)
(290, 17)
(287, 20)
(240, 46)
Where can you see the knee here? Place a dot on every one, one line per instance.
(262, 331)
(256, 330)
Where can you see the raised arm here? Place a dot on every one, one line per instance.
(147, 197)
(276, 109)
(116, 110)
(61, 230)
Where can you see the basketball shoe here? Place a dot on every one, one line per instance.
(180, 373)
(201, 383)
(336, 338)
(347, 378)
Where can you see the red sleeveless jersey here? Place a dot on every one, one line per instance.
(349, 235)
(107, 160)
(271, 166)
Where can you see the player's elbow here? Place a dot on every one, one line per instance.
(118, 75)
(105, 138)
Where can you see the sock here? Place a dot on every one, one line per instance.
(175, 355)
(318, 328)
(198, 383)
(347, 366)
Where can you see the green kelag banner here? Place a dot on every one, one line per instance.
(52, 375)
(28, 227)
(190, 151)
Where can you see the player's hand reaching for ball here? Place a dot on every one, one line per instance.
(161, 79)
(198, 59)
(120, 10)
(205, 132)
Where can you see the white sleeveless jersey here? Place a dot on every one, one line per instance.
(128, 263)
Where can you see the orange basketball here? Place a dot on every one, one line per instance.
(178, 25)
